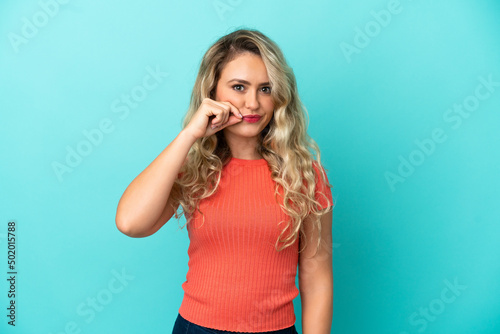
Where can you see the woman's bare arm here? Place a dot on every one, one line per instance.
(145, 205)
(145, 200)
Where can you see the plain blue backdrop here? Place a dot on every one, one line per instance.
(404, 102)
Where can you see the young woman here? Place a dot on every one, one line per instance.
(248, 178)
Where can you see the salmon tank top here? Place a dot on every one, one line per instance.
(237, 280)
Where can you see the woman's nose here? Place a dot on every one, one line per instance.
(251, 101)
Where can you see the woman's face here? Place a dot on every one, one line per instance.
(244, 83)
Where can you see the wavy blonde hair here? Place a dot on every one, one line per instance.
(284, 143)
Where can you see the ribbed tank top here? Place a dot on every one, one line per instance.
(237, 280)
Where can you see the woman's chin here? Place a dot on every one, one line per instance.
(242, 130)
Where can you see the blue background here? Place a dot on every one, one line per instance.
(398, 245)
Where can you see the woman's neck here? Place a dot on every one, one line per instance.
(243, 148)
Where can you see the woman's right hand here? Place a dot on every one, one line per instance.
(213, 116)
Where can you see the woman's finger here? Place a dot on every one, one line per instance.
(226, 116)
(221, 114)
(233, 110)
(231, 121)
(218, 118)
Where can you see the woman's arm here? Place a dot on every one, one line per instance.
(145, 201)
(145, 206)
(316, 279)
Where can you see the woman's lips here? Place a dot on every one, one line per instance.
(252, 118)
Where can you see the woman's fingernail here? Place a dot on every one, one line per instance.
(241, 115)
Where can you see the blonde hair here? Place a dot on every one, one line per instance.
(284, 143)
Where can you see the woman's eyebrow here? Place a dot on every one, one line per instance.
(246, 82)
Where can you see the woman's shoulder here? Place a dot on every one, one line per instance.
(318, 167)
(320, 173)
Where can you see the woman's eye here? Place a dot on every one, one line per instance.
(240, 88)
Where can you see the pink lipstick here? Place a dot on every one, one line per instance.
(252, 118)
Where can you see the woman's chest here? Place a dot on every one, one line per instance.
(244, 208)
